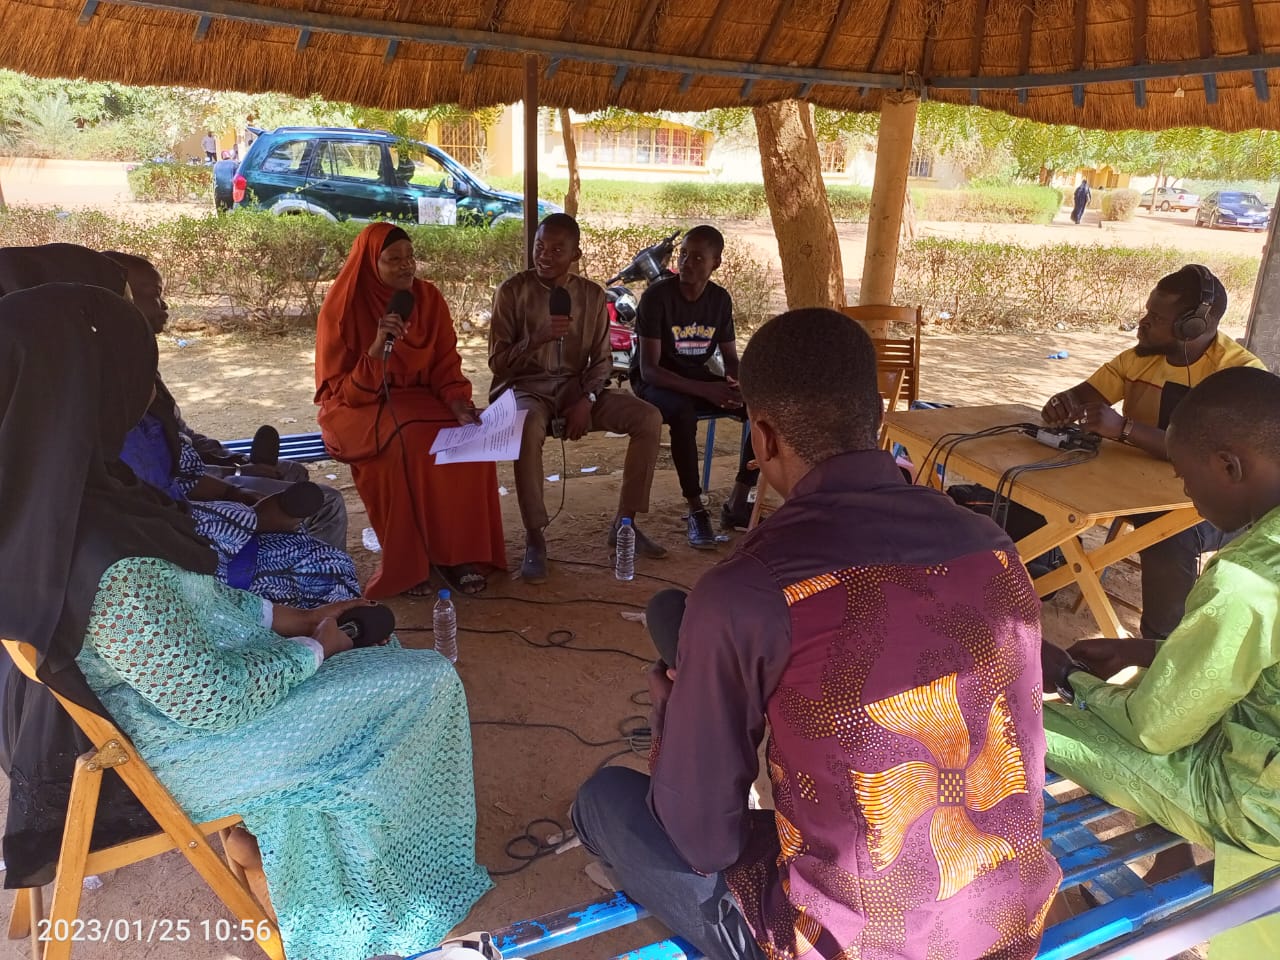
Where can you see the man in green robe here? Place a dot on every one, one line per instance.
(1193, 740)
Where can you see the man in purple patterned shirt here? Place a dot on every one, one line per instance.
(890, 640)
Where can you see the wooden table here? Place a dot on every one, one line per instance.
(1121, 481)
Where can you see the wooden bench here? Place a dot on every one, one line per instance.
(1127, 905)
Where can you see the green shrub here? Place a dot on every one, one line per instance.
(988, 204)
(253, 271)
(850, 204)
(171, 182)
(1119, 204)
(712, 201)
(975, 285)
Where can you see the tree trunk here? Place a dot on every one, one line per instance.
(808, 246)
(908, 218)
(571, 159)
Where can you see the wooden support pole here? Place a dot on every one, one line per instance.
(1262, 336)
(893, 159)
(530, 155)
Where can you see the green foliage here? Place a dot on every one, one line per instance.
(988, 205)
(849, 204)
(1005, 286)
(736, 201)
(1119, 204)
(619, 118)
(171, 182)
(108, 121)
(43, 125)
(1264, 190)
(249, 270)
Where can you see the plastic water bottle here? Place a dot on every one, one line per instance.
(625, 566)
(444, 622)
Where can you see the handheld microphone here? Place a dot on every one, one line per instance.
(367, 626)
(402, 305)
(561, 305)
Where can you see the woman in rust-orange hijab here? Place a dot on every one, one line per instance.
(354, 319)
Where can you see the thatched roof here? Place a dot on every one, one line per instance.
(1168, 62)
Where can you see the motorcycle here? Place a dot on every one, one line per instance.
(649, 266)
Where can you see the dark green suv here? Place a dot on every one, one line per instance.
(347, 174)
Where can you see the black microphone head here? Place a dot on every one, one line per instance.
(663, 615)
(266, 446)
(368, 626)
(401, 304)
(561, 302)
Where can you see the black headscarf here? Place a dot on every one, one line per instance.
(76, 368)
(23, 267)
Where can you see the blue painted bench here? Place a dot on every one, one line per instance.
(302, 447)
(1132, 918)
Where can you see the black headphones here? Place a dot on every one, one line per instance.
(1195, 323)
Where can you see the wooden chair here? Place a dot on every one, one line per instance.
(897, 373)
(894, 353)
(75, 861)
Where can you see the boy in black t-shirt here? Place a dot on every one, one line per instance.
(680, 322)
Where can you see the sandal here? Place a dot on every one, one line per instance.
(424, 589)
(463, 578)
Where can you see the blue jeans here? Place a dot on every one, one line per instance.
(613, 819)
(680, 413)
(1169, 569)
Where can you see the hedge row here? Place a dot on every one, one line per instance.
(257, 272)
(746, 201)
(264, 273)
(171, 182)
(971, 285)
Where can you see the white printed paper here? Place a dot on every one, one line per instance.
(438, 211)
(496, 437)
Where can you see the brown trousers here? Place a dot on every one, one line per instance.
(614, 411)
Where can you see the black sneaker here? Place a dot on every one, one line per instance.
(731, 520)
(701, 536)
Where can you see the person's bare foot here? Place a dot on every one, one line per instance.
(242, 847)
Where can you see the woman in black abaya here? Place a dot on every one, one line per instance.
(71, 511)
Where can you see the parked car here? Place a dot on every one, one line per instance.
(354, 174)
(1231, 209)
(1168, 198)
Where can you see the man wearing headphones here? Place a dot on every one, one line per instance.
(1179, 345)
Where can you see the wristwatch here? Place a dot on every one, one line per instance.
(1063, 687)
(1126, 429)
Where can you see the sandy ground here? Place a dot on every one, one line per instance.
(228, 386)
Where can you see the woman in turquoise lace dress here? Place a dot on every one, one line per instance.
(352, 768)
